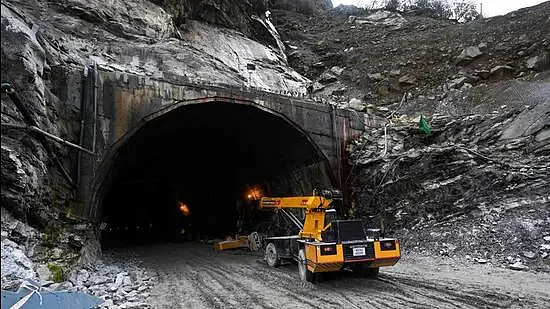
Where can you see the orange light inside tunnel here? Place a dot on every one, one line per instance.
(184, 209)
(254, 194)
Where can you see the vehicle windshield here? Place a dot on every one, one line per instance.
(351, 230)
(330, 216)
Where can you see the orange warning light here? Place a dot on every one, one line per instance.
(254, 194)
(184, 209)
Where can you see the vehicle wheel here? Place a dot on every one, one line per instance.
(305, 274)
(374, 272)
(254, 241)
(272, 256)
(363, 271)
(319, 277)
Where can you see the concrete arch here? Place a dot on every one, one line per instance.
(104, 171)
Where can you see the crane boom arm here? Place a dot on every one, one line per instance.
(301, 202)
(314, 206)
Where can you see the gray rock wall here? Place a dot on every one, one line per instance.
(469, 161)
(31, 185)
(308, 7)
(47, 44)
(478, 187)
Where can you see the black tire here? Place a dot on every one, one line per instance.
(319, 277)
(374, 272)
(305, 274)
(366, 272)
(360, 271)
(272, 255)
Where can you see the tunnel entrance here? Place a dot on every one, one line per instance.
(186, 174)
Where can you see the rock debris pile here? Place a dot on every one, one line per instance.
(123, 284)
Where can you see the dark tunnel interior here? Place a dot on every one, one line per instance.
(204, 156)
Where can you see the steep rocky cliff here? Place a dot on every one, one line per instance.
(377, 56)
(477, 188)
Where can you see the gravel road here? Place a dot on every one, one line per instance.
(195, 276)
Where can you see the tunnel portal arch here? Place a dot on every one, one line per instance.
(274, 135)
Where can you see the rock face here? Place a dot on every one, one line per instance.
(32, 185)
(539, 62)
(533, 121)
(18, 242)
(468, 54)
(45, 46)
(15, 266)
(367, 43)
(30, 253)
(388, 19)
(232, 14)
(307, 7)
(237, 15)
(480, 180)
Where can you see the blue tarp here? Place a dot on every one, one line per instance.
(44, 299)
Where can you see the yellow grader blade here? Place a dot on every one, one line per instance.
(240, 242)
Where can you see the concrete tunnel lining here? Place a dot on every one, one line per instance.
(279, 145)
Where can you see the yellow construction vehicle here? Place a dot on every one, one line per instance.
(325, 244)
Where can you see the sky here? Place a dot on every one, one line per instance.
(490, 7)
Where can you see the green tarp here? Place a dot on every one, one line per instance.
(424, 126)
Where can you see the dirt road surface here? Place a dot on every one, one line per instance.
(195, 276)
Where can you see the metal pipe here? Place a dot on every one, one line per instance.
(56, 138)
(398, 107)
(6, 87)
(83, 105)
(390, 123)
(385, 139)
(293, 218)
(335, 144)
(290, 218)
(338, 148)
(94, 97)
